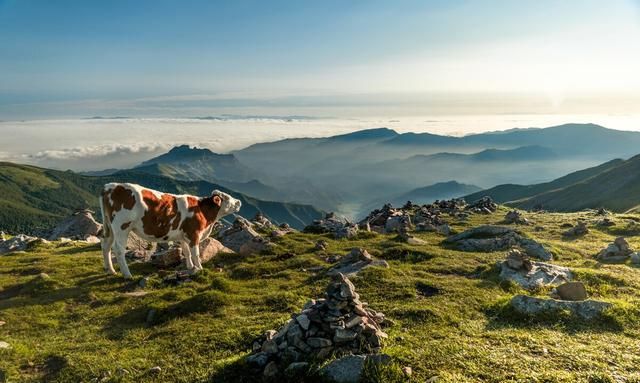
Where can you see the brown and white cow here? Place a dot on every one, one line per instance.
(158, 217)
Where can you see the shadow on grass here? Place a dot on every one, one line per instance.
(502, 315)
(208, 302)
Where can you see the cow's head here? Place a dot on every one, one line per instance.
(228, 204)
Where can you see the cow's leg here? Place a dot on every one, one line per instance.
(195, 256)
(107, 243)
(187, 255)
(120, 247)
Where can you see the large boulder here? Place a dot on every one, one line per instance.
(78, 226)
(587, 309)
(531, 275)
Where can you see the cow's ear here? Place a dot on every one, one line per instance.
(217, 200)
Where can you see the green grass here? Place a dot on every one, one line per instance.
(82, 325)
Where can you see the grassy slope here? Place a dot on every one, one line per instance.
(81, 325)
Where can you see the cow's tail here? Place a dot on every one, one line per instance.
(106, 221)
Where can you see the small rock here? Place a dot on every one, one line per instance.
(155, 370)
(296, 368)
(151, 316)
(303, 321)
(4, 345)
(572, 291)
(2, 323)
(319, 342)
(635, 258)
(270, 370)
(407, 371)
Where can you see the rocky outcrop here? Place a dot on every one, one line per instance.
(618, 251)
(139, 249)
(484, 205)
(337, 324)
(357, 260)
(331, 223)
(240, 234)
(78, 226)
(517, 267)
(587, 309)
(489, 238)
(20, 242)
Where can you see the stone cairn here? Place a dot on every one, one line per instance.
(339, 324)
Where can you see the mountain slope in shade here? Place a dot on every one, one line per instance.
(33, 198)
(614, 185)
(184, 162)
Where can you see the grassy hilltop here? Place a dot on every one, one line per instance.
(77, 324)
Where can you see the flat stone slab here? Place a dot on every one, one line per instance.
(588, 309)
(490, 238)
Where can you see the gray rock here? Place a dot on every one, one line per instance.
(618, 251)
(489, 238)
(77, 226)
(303, 321)
(20, 242)
(357, 260)
(4, 345)
(635, 258)
(270, 370)
(240, 233)
(155, 370)
(259, 359)
(572, 291)
(349, 369)
(296, 369)
(578, 230)
(540, 274)
(319, 342)
(588, 309)
(346, 232)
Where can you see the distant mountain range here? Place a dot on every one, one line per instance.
(614, 185)
(33, 198)
(348, 173)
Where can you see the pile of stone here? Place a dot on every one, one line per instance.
(484, 205)
(331, 223)
(531, 275)
(79, 226)
(578, 230)
(448, 206)
(618, 251)
(489, 238)
(338, 324)
(515, 217)
(20, 242)
(354, 262)
(423, 218)
(243, 239)
(377, 219)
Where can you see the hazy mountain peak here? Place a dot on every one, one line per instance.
(374, 133)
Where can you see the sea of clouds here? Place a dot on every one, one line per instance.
(102, 143)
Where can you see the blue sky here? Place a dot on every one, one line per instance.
(140, 56)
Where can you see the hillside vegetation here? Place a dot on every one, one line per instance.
(449, 310)
(614, 185)
(33, 199)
